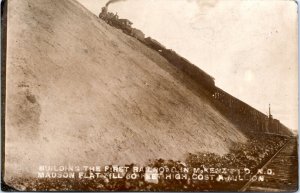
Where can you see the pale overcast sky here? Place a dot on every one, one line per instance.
(249, 47)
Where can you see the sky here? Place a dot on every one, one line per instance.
(249, 47)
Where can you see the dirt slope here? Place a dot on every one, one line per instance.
(80, 92)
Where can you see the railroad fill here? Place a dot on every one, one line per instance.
(81, 92)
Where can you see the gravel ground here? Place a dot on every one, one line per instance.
(251, 155)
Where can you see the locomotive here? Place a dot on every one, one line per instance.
(124, 24)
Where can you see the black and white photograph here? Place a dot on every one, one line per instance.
(149, 95)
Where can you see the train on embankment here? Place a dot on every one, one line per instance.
(244, 116)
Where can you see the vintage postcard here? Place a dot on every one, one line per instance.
(149, 95)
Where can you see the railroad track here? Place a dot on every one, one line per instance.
(284, 164)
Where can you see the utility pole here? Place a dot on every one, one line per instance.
(270, 115)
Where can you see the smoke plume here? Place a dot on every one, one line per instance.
(112, 1)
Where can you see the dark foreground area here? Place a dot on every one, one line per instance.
(200, 172)
(285, 163)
